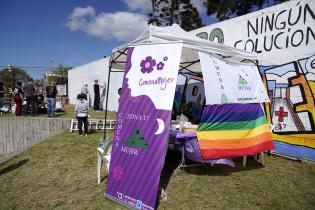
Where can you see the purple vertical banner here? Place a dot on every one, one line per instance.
(142, 124)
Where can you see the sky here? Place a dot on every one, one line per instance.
(38, 35)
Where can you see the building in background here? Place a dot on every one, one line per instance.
(86, 74)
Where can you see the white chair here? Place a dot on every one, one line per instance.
(103, 156)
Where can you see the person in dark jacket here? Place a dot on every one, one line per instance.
(29, 91)
(2, 90)
(51, 93)
(97, 96)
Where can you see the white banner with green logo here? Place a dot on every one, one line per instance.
(231, 83)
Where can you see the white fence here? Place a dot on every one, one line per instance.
(94, 124)
(19, 133)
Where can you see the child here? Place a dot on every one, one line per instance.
(81, 112)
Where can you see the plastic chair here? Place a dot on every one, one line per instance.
(103, 156)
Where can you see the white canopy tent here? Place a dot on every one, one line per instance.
(181, 48)
(192, 45)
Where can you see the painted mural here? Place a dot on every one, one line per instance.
(291, 89)
(284, 37)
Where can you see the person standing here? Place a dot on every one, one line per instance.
(97, 95)
(85, 92)
(81, 111)
(29, 91)
(17, 97)
(39, 100)
(19, 87)
(1, 90)
(51, 93)
(119, 93)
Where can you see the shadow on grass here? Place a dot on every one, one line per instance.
(173, 158)
(13, 166)
(93, 131)
(60, 114)
(90, 132)
(105, 177)
(225, 170)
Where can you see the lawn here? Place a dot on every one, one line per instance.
(60, 173)
(69, 113)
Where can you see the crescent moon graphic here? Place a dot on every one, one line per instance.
(161, 126)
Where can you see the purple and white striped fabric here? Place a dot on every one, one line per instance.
(139, 146)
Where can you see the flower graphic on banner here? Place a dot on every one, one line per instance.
(147, 64)
(118, 173)
(160, 66)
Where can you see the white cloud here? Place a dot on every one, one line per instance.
(142, 5)
(199, 4)
(80, 17)
(123, 26)
(81, 11)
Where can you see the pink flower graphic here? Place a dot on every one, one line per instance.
(118, 173)
(160, 66)
(147, 64)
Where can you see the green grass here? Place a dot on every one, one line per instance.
(69, 113)
(60, 173)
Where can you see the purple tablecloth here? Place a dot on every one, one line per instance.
(192, 150)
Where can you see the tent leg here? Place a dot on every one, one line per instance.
(106, 104)
(244, 161)
(262, 158)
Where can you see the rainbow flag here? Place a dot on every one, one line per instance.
(233, 130)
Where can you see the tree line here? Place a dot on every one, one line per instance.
(11, 75)
(185, 14)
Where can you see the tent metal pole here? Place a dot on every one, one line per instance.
(107, 90)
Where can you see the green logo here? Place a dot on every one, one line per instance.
(224, 99)
(242, 81)
(136, 140)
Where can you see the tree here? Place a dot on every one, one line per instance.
(164, 12)
(59, 75)
(11, 76)
(168, 12)
(225, 9)
(189, 16)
